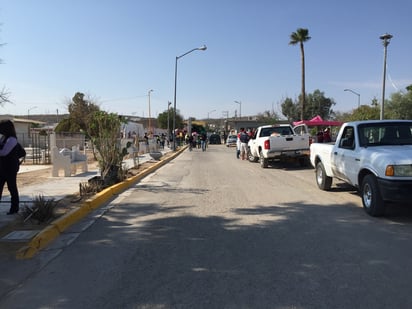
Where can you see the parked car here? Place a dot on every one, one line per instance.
(231, 140)
(214, 139)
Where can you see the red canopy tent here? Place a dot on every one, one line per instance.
(318, 121)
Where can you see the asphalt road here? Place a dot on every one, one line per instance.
(210, 231)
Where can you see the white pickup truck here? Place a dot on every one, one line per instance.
(375, 156)
(278, 142)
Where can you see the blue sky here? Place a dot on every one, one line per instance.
(116, 51)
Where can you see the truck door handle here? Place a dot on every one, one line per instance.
(335, 153)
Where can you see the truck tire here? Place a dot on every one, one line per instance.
(251, 157)
(264, 162)
(371, 197)
(323, 181)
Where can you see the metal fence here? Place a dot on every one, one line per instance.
(38, 145)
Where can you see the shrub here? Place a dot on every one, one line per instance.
(42, 209)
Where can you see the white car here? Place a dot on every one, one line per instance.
(231, 140)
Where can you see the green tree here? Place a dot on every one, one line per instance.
(80, 112)
(364, 112)
(299, 37)
(399, 106)
(162, 119)
(290, 110)
(107, 144)
(317, 104)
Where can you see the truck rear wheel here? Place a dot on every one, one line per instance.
(324, 182)
(371, 197)
(264, 162)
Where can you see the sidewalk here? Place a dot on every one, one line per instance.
(54, 188)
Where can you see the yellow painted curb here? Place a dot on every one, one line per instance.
(99, 198)
(40, 241)
(71, 217)
(52, 231)
(120, 187)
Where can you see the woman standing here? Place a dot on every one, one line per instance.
(9, 163)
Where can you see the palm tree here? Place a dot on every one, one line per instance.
(300, 36)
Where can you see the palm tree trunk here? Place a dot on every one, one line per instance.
(303, 94)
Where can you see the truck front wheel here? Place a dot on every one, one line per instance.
(371, 197)
(324, 182)
(251, 157)
(264, 162)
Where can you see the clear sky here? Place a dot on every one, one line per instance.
(115, 51)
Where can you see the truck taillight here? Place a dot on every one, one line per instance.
(266, 145)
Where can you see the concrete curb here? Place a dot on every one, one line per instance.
(52, 231)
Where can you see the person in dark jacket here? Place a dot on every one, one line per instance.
(9, 163)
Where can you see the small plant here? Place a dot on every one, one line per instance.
(42, 209)
(90, 187)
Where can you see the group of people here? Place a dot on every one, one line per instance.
(9, 163)
(160, 141)
(324, 136)
(199, 140)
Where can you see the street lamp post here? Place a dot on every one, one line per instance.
(150, 120)
(168, 126)
(208, 118)
(386, 38)
(208, 114)
(240, 108)
(174, 101)
(28, 111)
(354, 92)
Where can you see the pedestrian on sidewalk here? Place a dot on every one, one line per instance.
(9, 163)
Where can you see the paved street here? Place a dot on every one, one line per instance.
(210, 231)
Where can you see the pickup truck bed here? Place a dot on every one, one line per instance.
(278, 142)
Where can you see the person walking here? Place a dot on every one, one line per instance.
(238, 146)
(9, 163)
(203, 141)
(244, 139)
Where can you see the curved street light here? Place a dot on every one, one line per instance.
(354, 92)
(240, 108)
(386, 38)
(28, 111)
(174, 101)
(208, 113)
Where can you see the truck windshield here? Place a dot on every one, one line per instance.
(275, 131)
(385, 133)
